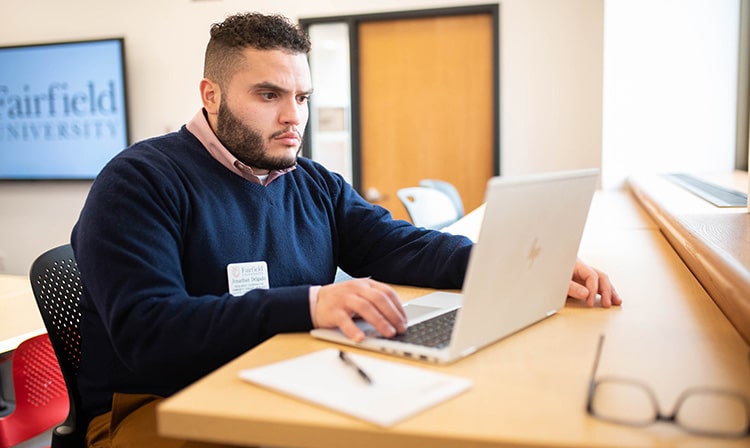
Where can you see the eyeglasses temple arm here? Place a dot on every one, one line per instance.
(598, 355)
(592, 381)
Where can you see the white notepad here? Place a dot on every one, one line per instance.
(397, 390)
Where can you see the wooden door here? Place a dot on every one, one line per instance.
(427, 105)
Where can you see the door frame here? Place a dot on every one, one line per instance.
(353, 22)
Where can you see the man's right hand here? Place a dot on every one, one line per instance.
(375, 302)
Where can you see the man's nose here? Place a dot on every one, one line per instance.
(292, 113)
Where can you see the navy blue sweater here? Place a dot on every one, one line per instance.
(162, 222)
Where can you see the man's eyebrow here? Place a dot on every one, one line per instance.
(268, 86)
(276, 88)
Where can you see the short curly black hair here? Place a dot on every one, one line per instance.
(249, 30)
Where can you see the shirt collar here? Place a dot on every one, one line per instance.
(199, 127)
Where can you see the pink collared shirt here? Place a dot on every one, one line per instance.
(199, 127)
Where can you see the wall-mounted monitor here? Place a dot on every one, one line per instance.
(63, 111)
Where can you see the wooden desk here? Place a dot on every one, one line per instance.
(19, 316)
(714, 242)
(529, 390)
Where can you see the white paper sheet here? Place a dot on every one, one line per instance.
(397, 390)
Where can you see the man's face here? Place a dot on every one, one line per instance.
(263, 109)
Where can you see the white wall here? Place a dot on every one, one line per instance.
(670, 86)
(551, 84)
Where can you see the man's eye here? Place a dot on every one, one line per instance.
(303, 99)
(268, 95)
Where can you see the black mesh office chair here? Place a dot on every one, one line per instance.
(57, 288)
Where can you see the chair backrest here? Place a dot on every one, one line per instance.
(57, 287)
(41, 395)
(447, 188)
(428, 207)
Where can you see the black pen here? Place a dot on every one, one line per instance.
(348, 361)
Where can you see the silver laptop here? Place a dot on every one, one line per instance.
(518, 273)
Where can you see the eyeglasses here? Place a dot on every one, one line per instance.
(704, 411)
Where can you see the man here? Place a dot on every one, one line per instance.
(176, 227)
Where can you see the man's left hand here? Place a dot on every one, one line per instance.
(587, 282)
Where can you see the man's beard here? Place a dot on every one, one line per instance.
(247, 144)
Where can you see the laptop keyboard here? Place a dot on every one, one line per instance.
(435, 332)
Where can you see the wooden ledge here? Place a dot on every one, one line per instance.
(713, 242)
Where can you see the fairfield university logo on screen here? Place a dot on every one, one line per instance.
(60, 112)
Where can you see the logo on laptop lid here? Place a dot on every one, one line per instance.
(534, 252)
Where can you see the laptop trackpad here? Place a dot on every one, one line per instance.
(430, 305)
(418, 312)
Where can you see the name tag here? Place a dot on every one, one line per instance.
(243, 277)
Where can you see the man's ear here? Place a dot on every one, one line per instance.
(210, 96)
